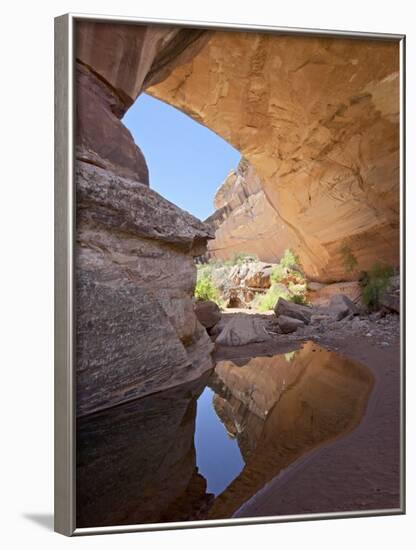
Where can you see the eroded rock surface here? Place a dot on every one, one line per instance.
(137, 332)
(102, 139)
(294, 311)
(245, 220)
(128, 57)
(242, 329)
(136, 328)
(318, 118)
(289, 324)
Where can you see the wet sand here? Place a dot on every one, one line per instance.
(358, 472)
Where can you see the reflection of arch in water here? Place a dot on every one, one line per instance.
(320, 396)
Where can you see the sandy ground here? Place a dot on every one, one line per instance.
(358, 472)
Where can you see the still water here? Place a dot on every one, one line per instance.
(202, 450)
(218, 456)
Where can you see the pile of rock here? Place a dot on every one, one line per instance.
(291, 316)
(321, 294)
(240, 284)
(339, 318)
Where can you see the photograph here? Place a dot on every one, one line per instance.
(237, 265)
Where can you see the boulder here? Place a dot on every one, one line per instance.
(289, 324)
(217, 329)
(341, 306)
(292, 310)
(243, 329)
(322, 294)
(207, 312)
(390, 299)
(391, 302)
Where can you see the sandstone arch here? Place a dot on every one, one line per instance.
(319, 120)
(317, 117)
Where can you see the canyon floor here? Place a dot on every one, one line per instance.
(359, 471)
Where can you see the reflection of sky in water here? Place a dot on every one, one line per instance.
(218, 456)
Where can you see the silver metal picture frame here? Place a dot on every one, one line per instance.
(65, 318)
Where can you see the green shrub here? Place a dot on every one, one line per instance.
(298, 299)
(206, 290)
(297, 288)
(297, 293)
(289, 258)
(268, 300)
(374, 283)
(278, 273)
(298, 276)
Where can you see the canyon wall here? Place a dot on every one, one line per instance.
(135, 275)
(318, 118)
(245, 221)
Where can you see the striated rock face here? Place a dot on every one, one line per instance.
(137, 332)
(101, 138)
(128, 57)
(318, 120)
(244, 329)
(245, 220)
(136, 328)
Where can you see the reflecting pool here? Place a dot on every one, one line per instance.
(202, 450)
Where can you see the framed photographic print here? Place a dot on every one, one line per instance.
(229, 220)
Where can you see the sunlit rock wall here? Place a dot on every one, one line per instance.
(318, 118)
(245, 221)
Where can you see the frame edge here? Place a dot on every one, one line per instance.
(64, 383)
(64, 494)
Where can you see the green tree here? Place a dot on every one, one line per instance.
(374, 282)
(206, 290)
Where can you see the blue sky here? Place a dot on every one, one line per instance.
(187, 162)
